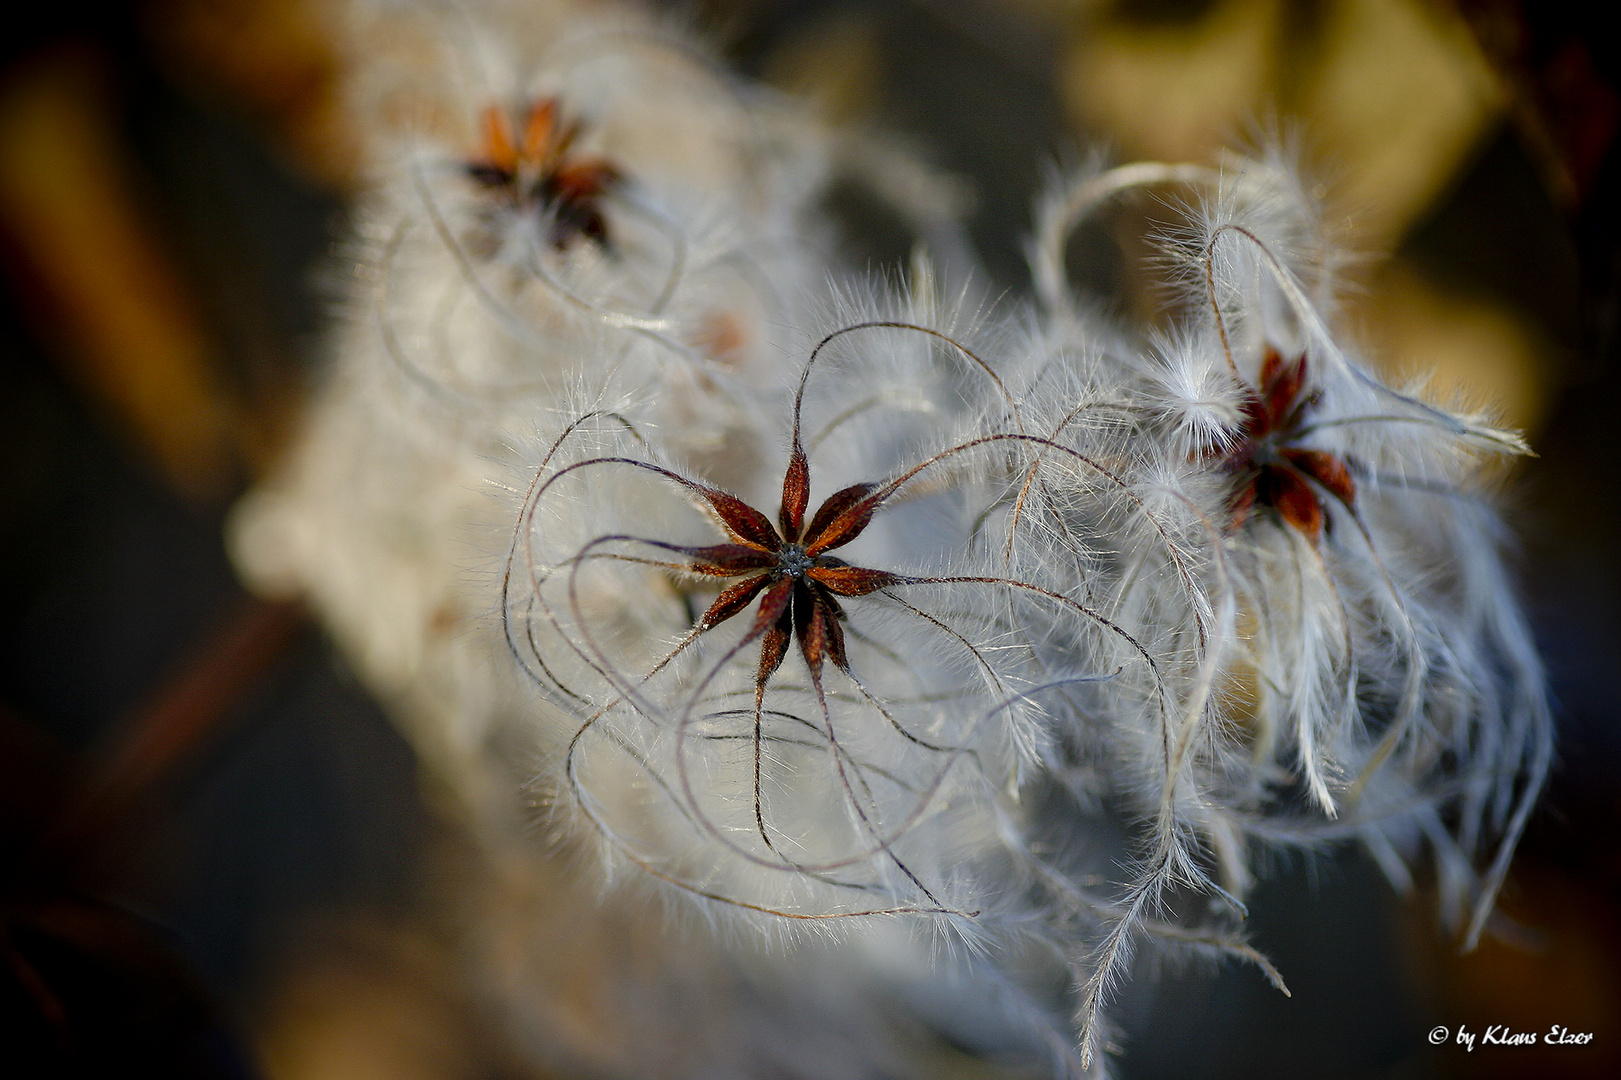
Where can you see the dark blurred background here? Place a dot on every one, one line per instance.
(203, 819)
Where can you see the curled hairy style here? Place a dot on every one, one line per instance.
(798, 709)
(1325, 584)
(907, 690)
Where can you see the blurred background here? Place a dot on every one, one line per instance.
(214, 851)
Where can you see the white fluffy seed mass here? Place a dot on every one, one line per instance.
(822, 609)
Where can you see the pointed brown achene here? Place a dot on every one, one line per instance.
(1271, 470)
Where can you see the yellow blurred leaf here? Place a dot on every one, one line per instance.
(124, 322)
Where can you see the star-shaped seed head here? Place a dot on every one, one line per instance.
(538, 170)
(788, 567)
(1272, 470)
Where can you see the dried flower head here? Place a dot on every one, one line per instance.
(1270, 468)
(1356, 647)
(1086, 618)
(538, 173)
(860, 781)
